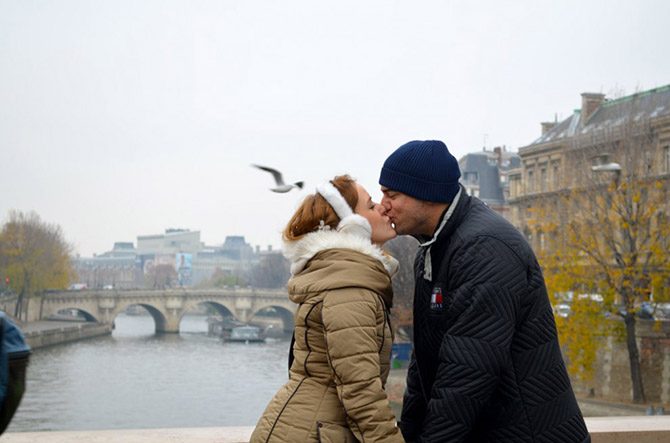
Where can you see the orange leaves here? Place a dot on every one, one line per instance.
(33, 254)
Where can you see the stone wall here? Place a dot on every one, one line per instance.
(602, 430)
(612, 377)
(78, 331)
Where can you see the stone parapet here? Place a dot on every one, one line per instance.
(177, 435)
(654, 429)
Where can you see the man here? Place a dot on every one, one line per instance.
(486, 364)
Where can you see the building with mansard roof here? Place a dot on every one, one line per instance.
(630, 132)
(484, 175)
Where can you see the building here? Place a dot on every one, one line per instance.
(631, 133)
(234, 258)
(484, 175)
(178, 255)
(171, 242)
(118, 268)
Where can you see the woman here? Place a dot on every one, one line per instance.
(341, 281)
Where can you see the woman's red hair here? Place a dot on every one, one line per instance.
(314, 208)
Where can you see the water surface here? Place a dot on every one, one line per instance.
(136, 379)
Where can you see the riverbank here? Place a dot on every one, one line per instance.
(45, 333)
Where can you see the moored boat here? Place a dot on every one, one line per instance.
(246, 333)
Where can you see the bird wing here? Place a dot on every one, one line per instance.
(276, 174)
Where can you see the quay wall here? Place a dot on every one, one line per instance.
(40, 338)
(612, 377)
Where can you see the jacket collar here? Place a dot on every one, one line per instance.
(451, 219)
(424, 242)
(301, 251)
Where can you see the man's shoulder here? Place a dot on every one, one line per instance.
(482, 221)
(481, 225)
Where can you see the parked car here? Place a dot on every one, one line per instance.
(645, 311)
(562, 310)
(77, 287)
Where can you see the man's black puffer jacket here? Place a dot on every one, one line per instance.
(487, 365)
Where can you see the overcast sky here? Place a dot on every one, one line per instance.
(124, 118)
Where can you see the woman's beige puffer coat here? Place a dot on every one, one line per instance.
(342, 348)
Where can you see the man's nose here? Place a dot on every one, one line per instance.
(386, 204)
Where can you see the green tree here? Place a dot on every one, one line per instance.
(223, 279)
(35, 256)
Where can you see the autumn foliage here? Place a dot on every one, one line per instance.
(34, 256)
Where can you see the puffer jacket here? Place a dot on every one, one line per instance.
(487, 366)
(342, 347)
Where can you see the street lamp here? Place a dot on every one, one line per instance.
(609, 167)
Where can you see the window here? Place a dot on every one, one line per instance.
(648, 162)
(557, 179)
(666, 159)
(470, 177)
(543, 179)
(515, 185)
(530, 186)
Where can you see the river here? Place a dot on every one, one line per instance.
(136, 379)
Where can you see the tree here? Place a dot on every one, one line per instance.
(403, 249)
(609, 234)
(161, 276)
(272, 271)
(34, 255)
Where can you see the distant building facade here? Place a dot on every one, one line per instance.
(484, 175)
(118, 268)
(632, 132)
(234, 257)
(181, 251)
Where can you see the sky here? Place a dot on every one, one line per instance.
(124, 118)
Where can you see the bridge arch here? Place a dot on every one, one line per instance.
(86, 307)
(160, 320)
(223, 308)
(167, 307)
(282, 312)
(87, 316)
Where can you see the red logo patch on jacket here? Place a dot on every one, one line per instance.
(436, 299)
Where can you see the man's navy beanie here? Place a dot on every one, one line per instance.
(425, 170)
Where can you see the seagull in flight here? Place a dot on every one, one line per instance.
(281, 187)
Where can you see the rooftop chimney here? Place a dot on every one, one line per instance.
(498, 155)
(590, 103)
(547, 126)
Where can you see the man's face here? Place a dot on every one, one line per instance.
(408, 215)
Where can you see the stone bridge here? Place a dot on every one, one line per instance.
(167, 307)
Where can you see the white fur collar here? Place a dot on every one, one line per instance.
(299, 252)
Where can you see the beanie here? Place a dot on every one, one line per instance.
(425, 170)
